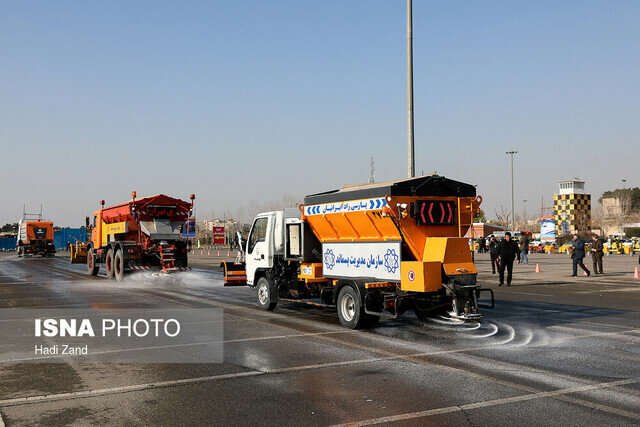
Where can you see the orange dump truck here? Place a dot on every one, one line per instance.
(35, 237)
(371, 251)
(141, 234)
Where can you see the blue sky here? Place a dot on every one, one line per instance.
(242, 101)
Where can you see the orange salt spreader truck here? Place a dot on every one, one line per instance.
(141, 234)
(35, 237)
(371, 251)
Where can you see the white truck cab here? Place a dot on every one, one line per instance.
(267, 240)
(263, 242)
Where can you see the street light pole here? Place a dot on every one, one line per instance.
(525, 212)
(411, 164)
(513, 212)
(624, 184)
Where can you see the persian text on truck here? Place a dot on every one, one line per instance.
(371, 251)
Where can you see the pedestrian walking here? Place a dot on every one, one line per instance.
(577, 255)
(597, 252)
(493, 252)
(508, 250)
(483, 246)
(524, 248)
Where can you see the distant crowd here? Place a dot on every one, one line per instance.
(505, 251)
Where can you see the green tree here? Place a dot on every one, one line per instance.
(480, 217)
(9, 228)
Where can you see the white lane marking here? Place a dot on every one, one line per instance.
(494, 402)
(125, 350)
(597, 334)
(577, 320)
(529, 293)
(597, 291)
(123, 389)
(582, 331)
(376, 359)
(138, 387)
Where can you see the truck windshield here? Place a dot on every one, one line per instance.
(258, 233)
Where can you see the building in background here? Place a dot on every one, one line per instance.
(611, 207)
(572, 208)
(482, 229)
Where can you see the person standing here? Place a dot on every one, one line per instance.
(508, 250)
(493, 252)
(577, 255)
(524, 248)
(597, 251)
(480, 245)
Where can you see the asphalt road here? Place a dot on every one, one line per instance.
(555, 350)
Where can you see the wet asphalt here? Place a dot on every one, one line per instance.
(555, 350)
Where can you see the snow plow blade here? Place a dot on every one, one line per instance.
(234, 274)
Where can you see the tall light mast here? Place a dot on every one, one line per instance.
(411, 163)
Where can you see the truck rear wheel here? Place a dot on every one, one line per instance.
(118, 265)
(108, 262)
(351, 310)
(92, 268)
(267, 298)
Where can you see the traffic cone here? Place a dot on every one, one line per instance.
(209, 254)
(636, 275)
(218, 253)
(537, 267)
(228, 254)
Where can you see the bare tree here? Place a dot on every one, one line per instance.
(502, 216)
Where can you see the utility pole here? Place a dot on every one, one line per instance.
(525, 213)
(411, 164)
(513, 212)
(623, 199)
(372, 177)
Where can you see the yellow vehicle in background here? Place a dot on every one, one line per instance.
(566, 248)
(79, 252)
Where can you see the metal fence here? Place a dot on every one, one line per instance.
(61, 238)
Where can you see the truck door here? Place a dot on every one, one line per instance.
(258, 253)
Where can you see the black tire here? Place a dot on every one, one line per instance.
(266, 294)
(351, 311)
(92, 268)
(108, 263)
(118, 265)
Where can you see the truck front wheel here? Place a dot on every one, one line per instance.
(108, 262)
(92, 268)
(267, 298)
(350, 309)
(118, 265)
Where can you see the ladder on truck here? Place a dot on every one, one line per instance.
(167, 258)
